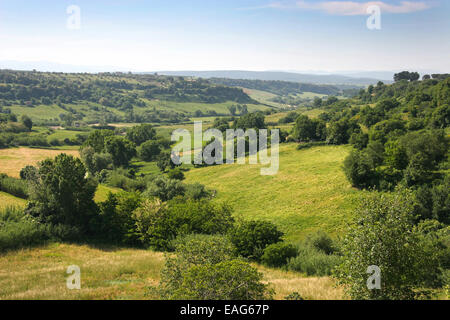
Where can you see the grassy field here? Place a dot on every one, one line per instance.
(63, 134)
(309, 193)
(263, 97)
(112, 273)
(40, 112)
(7, 200)
(189, 107)
(103, 191)
(14, 159)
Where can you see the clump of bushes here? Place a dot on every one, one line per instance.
(278, 254)
(123, 179)
(317, 255)
(251, 238)
(159, 224)
(18, 230)
(13, 186)
(313, 262)
(206, 268)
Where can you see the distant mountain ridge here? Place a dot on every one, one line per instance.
(276, 76)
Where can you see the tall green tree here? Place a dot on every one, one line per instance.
(383, 235)
(140, 134)
(122, 150)
(60, 193)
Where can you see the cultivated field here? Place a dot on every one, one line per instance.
(14, 159)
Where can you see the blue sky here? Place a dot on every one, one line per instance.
(152, 35)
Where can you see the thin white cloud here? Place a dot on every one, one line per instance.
(351, 8)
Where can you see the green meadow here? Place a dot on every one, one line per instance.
(309, 193)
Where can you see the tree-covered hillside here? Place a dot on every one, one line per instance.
(113, 97)
(279, 87)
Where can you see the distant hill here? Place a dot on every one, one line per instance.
(276, 76)
(283, 88)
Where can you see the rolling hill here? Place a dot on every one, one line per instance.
(276, 76)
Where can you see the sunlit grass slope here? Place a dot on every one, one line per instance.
(309, 193)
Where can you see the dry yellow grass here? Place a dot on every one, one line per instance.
(40, 273)
(14, 159)
(312, 288)
(114, 273)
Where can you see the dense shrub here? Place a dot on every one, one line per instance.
(197, 191)
(13, 186)
(18, 230)
(175, 174)
(278, 254)
(359, 170)
(95, 162)
(321, 242)
(313, 262)
(115, 224)
(251, 237)
(61, 193)
(159, 224)
(306, 129)
(140, 134)
(383, 234)
(149, 150)
(205, 268)
(121, 178)
(165, 189)
(120, 149)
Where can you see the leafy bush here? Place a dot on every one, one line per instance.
(313, 262)
(359, 170)
(120, 149)
(197, 191)
(148, 222)
(159, 224)
(165, 189)
(383, 234)
(61, 193)
(18, 230)
(205, 269)
(140, 134)
(251, 237)
(95, 162)
(175, 174)
(278, 254)
(227, 280)
(23, 233)
(321, 242)
(13, 186)
(149, 150)
(115, 224)
(306, 129)
(120, 178)
(204, 249)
